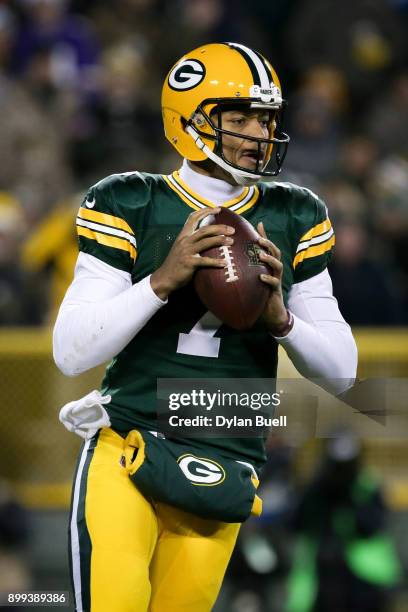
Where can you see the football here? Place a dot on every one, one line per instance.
(235, 294)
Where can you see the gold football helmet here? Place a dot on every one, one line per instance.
(212, 78)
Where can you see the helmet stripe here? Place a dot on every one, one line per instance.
(268, 71)
(258, 68)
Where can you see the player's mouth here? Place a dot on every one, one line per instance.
(250, 158)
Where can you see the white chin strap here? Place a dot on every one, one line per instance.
(240, 176)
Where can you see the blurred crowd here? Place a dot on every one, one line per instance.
(80, 86)
(321, 545)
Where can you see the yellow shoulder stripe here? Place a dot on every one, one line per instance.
(100, 217)
(321, 228)
(111, 241)
(314, 251)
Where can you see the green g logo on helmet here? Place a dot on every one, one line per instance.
(186, 74)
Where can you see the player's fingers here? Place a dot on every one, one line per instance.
(194, 219)
(270, 246)
(211, 242)
(272, 281)
(207, 262)
(212, 230)
(261, 230)
(272, 262)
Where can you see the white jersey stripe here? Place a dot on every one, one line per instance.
(76, 561)
(316, 240)
(107, 230)
(184, 192)
(245, 200)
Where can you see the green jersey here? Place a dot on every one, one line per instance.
(130, 221)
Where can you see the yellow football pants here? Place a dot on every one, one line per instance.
(129, 555)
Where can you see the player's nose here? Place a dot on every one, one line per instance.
(256, 128)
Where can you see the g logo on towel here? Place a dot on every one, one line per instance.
(200, 471)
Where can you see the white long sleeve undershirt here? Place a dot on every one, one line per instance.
(102, 312)
(320, 343)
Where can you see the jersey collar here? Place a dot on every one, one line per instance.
(191, 186)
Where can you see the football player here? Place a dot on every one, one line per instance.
(142, 536)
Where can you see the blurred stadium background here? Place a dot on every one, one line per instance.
(80, 89)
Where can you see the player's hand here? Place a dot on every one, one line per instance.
(275, 314)
(184, 257)
(86, 415)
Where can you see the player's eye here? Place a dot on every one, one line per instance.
(267, 119)
(238, 121)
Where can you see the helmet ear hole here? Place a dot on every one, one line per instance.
(198, 120)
